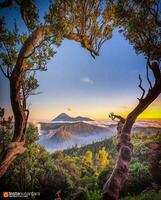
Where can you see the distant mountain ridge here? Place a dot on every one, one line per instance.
(65, 117)
(64, 135)
(79, 129)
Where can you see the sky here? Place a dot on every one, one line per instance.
(77, 84)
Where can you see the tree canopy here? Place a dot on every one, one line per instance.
(140, 22)
(89, 22)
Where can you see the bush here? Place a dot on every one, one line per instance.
(147, 196)
(82, 195)
(94, 195)
(139, 179)
(102, 178)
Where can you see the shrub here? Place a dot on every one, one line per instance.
(103, 176)
(82, 195)
(139, 179)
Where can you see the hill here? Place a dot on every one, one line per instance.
(141, 135)
(71, 134)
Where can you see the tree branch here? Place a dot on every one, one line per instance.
(2, 70)
(156, 70)
(35, 47)
(148, 99)
(113, 117)
(116, 181)
(147, 72)
(34, 38)
(140, 86)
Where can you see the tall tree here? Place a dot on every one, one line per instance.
(88, 157)
(22, 54)
(102, 160)
(140, 22)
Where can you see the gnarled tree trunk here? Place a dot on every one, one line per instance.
(17, 146)
(116, 182)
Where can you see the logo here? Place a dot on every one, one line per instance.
(5, 194)
(20, 194)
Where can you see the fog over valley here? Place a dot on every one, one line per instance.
(64, 132)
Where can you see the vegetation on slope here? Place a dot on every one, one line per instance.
(80, 173)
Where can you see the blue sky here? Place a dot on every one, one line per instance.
(89, 87)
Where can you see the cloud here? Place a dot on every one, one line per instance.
(69, 109)
(87, 80)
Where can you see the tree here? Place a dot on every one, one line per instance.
(140, 22)
(29, 11)
(22, 54)
(32, 134)
(102, 159)
(88, 157)
(89, 23)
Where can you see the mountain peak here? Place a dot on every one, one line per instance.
(65, 117)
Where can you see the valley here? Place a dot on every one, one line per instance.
(65, 133)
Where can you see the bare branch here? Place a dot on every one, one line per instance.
(113, 117)
(140, 86)
(2, 70)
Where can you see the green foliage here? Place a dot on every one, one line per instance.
(155, 137)
(35, 171)
(138, 167)
(32, 134)
(94, 195)
(12, 43)
(137, 20)
(90, 182)
(146, 196)
(94, 148)
(103, 177)
(139, 178)
(89, 19)
(5, 129)
(69, 172)
(5, 138)
(82, 195)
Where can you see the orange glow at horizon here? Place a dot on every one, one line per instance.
(96, 113)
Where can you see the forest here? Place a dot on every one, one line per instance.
(126, 166)
(80, 173)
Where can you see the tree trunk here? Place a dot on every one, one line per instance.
(8, 156)
(17, 145)
(116, 182)
(113, 186)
